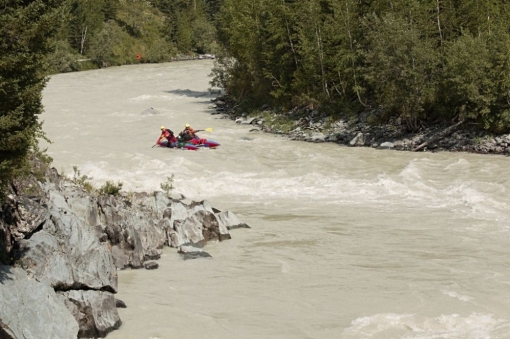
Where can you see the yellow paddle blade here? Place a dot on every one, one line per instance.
(209, 129)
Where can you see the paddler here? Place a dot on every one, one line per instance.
(167, 138)
(189, 135)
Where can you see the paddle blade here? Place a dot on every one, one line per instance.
(209, 129)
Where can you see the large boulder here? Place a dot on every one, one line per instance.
(229, 221)
(197, 229)
(64, 252)
(95, 311)
(133, 228)
(31, 310)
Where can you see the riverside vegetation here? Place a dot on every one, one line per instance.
(411, 62)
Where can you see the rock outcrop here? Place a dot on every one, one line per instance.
(64, 245)
(29, 308)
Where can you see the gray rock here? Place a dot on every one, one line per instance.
(248, 121)
(386, 145)
(176, 196)
(187, 231)
(95, 311)
(190, 252)
(74, 242)
(134, 232)
(197, 229)
(30, 309)
(149, 111)
(150, 265)
(30, 215)
(229, 220)
(67, 254)
(318, 137)
(120, 303)
(358, 140)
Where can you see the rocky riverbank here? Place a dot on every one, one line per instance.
(312, 126)
(61, 247)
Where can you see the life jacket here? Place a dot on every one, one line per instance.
(168, 135)
(186, 135)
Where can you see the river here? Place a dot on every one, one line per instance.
(344, 242)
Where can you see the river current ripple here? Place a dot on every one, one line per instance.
(345, 242)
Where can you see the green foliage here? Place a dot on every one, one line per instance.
(417, 60)
(102, 33)
(82, 180)
(400, 67)
(159, 50)
(26, 30)
(44, 160)
(63, 59)
(277, 122)
(86, 19)
(106, 44)
(478, 78)
(204, 36)
(168, 185)
(110, 188)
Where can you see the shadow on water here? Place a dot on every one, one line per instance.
(189, 93)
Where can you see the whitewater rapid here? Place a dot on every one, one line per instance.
(344, 242)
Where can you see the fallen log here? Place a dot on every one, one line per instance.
(436, 137)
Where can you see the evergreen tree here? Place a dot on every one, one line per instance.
(26, 29)
(400, 67)
(87, 17)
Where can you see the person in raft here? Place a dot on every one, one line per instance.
(189, 135)
(167, 138)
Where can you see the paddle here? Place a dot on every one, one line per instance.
(208, 129)
(161, 139)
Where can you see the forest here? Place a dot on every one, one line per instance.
(414, 60)
(104, 33)
(410, 61)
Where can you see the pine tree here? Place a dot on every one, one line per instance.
(26, 28)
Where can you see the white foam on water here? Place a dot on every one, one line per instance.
(456, 295)
(149, 97)
(410, 326)
(285, 268)
(408, 188)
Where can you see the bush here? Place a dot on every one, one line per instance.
(111, 188)
(168, 186)
(159, 51)
(104, 44)
(82, 180)
(64, 59)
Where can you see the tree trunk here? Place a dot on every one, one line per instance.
(83, 36)
(441, 135)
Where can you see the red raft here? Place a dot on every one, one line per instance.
(175, 145)
(191, 145)
(205, 142)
